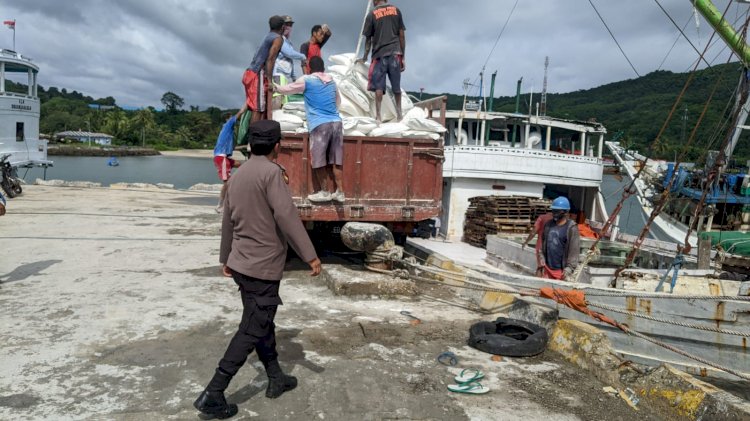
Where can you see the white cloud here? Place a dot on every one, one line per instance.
(135, 50)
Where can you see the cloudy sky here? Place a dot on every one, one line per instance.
(135, 50)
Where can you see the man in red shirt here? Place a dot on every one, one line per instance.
(539, 224)
(319, 35)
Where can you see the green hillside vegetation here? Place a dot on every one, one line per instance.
(633, 110)
(639, 107)
(170, 128)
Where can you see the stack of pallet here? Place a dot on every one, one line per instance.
(489, 215)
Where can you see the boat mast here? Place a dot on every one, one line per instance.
(737, 43)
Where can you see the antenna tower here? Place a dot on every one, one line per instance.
(543, 106)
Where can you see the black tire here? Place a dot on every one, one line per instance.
(17, 187)
(508, 337)
(9, 188)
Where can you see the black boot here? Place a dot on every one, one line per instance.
(278, 382)
(212, 402)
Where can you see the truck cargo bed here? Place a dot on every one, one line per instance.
(385, 179)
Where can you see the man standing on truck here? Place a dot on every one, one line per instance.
(258, 78)
(385, 34)
(259, 220)
(283, 72)
(223, 153)
(326, 129)
(319, 35)
(561, 242)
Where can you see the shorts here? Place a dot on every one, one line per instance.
(254, 84)
(224, 165)
(380, 68)
(327, 145)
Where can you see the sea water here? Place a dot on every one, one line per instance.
(184, 172)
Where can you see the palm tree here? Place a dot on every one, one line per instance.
(141, 122)
(116, 123)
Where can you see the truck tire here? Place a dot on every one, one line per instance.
(508, 337)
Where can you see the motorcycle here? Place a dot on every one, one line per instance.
(9, 180)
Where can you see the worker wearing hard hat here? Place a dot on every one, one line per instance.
(561, 242)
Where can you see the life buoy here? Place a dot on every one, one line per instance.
(508, 337)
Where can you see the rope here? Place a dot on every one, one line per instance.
(669, 321)
(624, 328)
(683, 34)
(739, 374)
(615, 39)
(671, 296)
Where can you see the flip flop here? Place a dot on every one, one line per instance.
(469, 375)
(473, 388)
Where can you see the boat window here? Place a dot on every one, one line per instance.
(19, 132)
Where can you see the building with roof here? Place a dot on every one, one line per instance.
(88, 137)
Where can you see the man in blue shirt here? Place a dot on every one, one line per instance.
(223, 153)
(326, 129)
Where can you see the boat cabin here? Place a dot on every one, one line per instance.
(19, 111)
(508, 154)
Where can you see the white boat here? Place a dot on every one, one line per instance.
(508, 154)
(665, 227)
(19, 113)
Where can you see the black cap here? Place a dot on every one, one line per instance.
(264, 132)
(275, 22)
(288, 19)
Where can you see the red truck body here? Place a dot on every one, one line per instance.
(386, 180)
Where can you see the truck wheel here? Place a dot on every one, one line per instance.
(508, 337)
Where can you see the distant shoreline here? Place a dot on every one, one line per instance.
(72, 150)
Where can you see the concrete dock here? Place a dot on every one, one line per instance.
(113, 307)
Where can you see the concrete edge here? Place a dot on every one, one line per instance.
(197, 188)
(674, 394)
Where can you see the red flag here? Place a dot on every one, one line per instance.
(10, 24)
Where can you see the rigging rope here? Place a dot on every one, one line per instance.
(701, 55)
(575, 299)
(670, 321)
(631, 188)
(614, 38)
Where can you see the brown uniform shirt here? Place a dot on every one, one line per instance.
(259, 219)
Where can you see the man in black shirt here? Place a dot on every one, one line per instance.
(385, 34)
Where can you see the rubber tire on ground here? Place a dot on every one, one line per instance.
(508, 337)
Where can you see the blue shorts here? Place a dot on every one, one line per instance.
(380, 68)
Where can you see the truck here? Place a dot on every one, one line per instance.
(394, 181)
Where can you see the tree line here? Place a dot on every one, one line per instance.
(633, 111)
(170, 128)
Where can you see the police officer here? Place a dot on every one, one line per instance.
(259, 218)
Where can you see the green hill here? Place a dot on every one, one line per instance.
(634, 109)
(639, 107)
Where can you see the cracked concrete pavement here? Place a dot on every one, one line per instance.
(113, 307)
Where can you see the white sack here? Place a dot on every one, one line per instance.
(424, 124)
(343, 59)
(389, 130)
(416, 112)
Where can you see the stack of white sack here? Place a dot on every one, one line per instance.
(289, 122)
(357, 107)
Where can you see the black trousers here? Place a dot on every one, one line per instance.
(257, 331)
